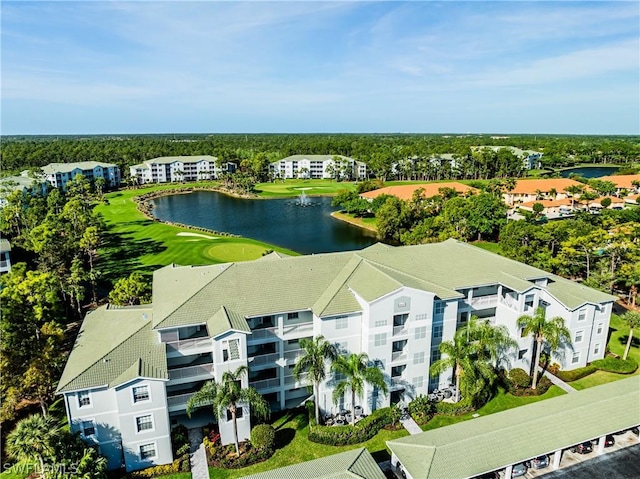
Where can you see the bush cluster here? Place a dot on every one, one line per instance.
(225, 456)
(616, 365)
(422, 409)
(519, 379)
(576, 374)
(179, 439)
(363, 430)
(542, 387)
(263, 436)
(455, 408)
(182, 464)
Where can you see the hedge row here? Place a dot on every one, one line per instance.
(575, 374)
(454, 409)
(182, 464)
(363, 430)
(615, 365)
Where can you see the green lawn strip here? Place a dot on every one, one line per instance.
(366, 223)
(135, 243)
(296, 187)
(619, 333)
(486, 245)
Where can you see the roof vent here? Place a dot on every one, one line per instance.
(105, 360)
(144, 316)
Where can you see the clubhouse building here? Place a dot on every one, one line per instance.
(133, 369)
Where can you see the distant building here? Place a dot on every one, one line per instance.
(24, 182)
(169, 169)
(5, 261)
(319, 167)
(533, 190)
(530, 158)
(59, 174)
(623, 182)
(405, 192)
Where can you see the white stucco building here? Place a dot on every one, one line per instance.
(133, 369)
(319, 167)
(168, 169)
(59, 174)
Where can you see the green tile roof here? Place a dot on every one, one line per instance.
(354, 464)
(491, 442)
(53, 168)
(182, 159)
(114, 345)
(224, 320)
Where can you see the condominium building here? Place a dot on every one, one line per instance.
(133, 369)
(59, 174)
(168, 169)
(530, 158)
(319, 166)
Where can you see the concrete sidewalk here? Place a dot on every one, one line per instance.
(558, 382)
(410, 425)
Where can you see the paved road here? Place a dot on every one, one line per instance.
(622, 464)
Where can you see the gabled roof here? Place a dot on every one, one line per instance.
(313, 158)
(163, 160)
(224, 320)
(405, 192)
(487, 443)
(354, 464)
(531, 187)
(53, 168)
(621, 181)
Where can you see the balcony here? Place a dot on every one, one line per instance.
(293, 355)
(260, 334)
(189, 345)
(263, 359)
(510, 302)
(482, 302)
(398, 356)
(289, 380)
(398, 382)
(191, 371)
(398, 330)
(301, 329)
(265, 384)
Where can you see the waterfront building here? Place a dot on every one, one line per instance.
(169, 169)
(59, 174)
(319, 167)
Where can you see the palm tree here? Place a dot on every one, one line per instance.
(357, 372)
(229, 395)
(33, 438)
(553, 331)
(490, 342)
(456, 357)
(632, 319)
(314, 363)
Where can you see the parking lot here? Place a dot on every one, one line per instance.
(572, 461)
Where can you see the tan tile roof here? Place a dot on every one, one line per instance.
(524, 187)
(405, 192)
(548, 203)
(621, 181)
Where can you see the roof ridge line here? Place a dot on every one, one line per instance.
(378, 265)
(337, 290)
(104, 355)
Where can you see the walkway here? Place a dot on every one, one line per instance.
(411, 426)
(199, 469)
(559, 382)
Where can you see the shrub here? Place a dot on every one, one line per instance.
(179, 438)
(576, 374)
(542, 387)
(518, 378)
(181, 464)
(454, 409)
(422, 409)
(225, 456)
(363, 430)
(614, 365)
(263, 436)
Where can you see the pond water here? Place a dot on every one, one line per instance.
(305, 228)
(590, 171)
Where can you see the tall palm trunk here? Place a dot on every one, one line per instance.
(537, 361)
(628, 347)
(316, 391)
(353, 407)
(458, 373)
(235, 428)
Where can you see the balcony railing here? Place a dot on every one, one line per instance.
(510, 302)
(400, 330)
(179, 400)
(186, 344)
(292, 379)
(481, 301)
(264, 359)
(265, 383)
(293, 354)
(264, 333)
(302, 328)
(191, 371)
(398, 355)
(398, 381)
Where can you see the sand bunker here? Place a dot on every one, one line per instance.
(185, 233)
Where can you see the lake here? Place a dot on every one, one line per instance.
(282, 222)
(590, 171)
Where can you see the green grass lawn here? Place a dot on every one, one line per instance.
(135, 243)
(296, 187)
(487, 245)
(367, 223)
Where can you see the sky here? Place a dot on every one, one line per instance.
(96, 67)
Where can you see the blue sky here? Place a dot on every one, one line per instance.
(163, 67)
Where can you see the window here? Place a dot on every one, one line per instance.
(380, 339)
(84, 399)
(239, 412)
(582, 315)
(144, 423)
(418, 382)
(528, 302)
(88, 428)
(596, 348)
(578, 336)
(438, 307)
(437, 331)
(147, 451)
(140, 393)
(380, 323)
(575, 358)
(418, 358)
(292, 315)
(435, 355)
(522, 353)
(600, 328)
(421, 332)
(342, 322)
(421, 316)
(522, 333)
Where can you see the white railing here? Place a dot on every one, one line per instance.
(398, 356)
(400, 329)
(191, 371)
(185, 344)
(178, 400)
(303, 328)
(398, 381)
(293, 354)
(261, 359)
(265, 383)
(510, 302)
(489, 300)
(263, 334)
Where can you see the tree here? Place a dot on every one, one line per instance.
(357, 373)
(229, 395)
(32, 439)
(456, 357)
(313, 363)
(131, 290)
(631, 319)
(551, 331)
